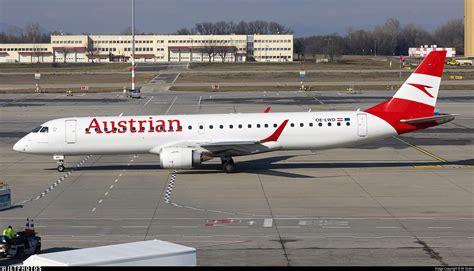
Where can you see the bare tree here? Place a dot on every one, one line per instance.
(210, 50)
(184, 31)
(32, 32)
(451, 34)
(223, 49)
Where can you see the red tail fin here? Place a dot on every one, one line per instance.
(417, 96)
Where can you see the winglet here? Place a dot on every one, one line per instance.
(267, 109)
(276, 134)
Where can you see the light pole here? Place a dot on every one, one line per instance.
(192, 44)
(375, 48)
(133, 44)
(329, 51)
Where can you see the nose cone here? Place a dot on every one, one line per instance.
(19, 146)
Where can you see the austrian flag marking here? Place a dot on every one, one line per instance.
(149, 125)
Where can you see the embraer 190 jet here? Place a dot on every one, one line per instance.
(182, 141)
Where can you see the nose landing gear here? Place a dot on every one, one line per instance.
(60, 159)
(61, 166)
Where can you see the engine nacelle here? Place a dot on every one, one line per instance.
(179, 158)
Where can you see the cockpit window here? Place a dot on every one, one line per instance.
(44, 130)
(36, 129)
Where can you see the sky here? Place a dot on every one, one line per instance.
(305, 17)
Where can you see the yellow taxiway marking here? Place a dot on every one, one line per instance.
(432, 155)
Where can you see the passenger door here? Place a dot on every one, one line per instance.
(362, 125)
(70, 131)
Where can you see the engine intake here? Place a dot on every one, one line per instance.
(180, 158)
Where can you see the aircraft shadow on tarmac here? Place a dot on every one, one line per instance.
(269, 166)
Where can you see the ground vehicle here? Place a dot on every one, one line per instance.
(453, 62)
(459, 62)
(26, 244)
(134, 93)
(464, 62)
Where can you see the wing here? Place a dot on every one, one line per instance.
(234, 148)
(231, 147)
(237, 148)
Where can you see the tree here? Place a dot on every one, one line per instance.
(299, 48)
(32, 32)
(210, 50)
(450, 34)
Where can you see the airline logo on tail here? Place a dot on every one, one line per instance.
(422, 88)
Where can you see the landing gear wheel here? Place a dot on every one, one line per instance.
(61, 168)
(229, 167)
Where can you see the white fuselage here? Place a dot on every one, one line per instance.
(304, 130)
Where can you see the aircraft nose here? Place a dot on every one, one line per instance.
(19, 146)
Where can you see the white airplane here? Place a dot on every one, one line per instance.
(182, 141)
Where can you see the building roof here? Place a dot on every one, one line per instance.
(34, 53)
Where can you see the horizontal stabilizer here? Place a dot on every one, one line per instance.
(439, 119)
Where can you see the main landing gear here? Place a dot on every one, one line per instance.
(228, 164)
(60, 159)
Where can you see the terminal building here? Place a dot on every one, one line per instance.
(152, 48)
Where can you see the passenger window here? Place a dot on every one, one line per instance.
(221, 126)
(201, 127)
(329, 124)
(190, 127)
(258, 125)
(105, 129)
(348, 124)
(171, 128)
(44, 130)
(36, 129)
(266, 125)
(152, 129)
(87, 130)
(301, 124)
(292, 125)
(320, 124)
(310, 124)
(240, 126)
(180, 128)
(338, 124)
(231, 126)
(211, 127)
(275, 125)
(250, 126)
(96, 129)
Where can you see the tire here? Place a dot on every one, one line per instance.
(229, 167)
(38, 249)
(61, 168)
(20, 253)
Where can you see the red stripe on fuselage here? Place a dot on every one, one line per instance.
(396, 109)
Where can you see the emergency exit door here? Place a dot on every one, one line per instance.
(362, 124)
(70, 131)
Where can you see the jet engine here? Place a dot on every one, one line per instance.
(181, 158)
